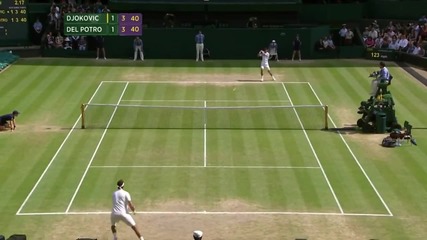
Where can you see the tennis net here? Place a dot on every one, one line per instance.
(226, 116)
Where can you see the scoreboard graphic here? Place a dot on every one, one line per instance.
(103, 24)
(13, 20)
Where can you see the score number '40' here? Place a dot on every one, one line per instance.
(132, 29)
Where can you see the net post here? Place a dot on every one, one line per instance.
(82, 110)
(326, 116)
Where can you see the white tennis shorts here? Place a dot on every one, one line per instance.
(265, 65)
(126, 218)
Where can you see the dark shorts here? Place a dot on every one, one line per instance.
(99, 42)
(3, 122)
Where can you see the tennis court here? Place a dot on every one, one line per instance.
(206, 148)
(268, 174)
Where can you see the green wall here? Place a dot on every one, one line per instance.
(226, 43)
(222, 43)
(408, 10)
(308, 13)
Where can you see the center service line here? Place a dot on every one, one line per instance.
(204, 137)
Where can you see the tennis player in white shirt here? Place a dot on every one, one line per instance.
(120, 211)
(265, 55)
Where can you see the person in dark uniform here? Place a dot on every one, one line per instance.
(7, 121)
(296, 45)
(100, 46)
(38, 32)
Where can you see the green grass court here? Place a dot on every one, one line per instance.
(206, 146)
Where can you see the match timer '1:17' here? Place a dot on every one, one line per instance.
(103, 24)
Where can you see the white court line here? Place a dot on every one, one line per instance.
(95, 152)
(213, 213)
(55, 155)
(213, 100)
(4, 69)
(200, 82)
(205, 154)
(354, 157)
(314, 152)
(210, 166)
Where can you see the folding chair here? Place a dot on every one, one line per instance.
(406, 135)
(206, 53)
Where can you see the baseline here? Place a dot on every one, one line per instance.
(212, 213)
(201, 82)
(212, 100)
(210, 166)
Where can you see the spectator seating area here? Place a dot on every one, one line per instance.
(6, 58)
(53, 36)
(408, 37)
(404, 37)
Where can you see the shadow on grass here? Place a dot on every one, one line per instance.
(345, 130)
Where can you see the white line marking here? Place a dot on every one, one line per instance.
(212, 100)
(354, 157)
(210, 166)
(201, 107)
(214, 213)
(95, 152)
(54, 156)
(4, 69)
(314, 152)
(204, 82)
(205, 154)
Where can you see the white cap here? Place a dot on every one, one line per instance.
(198, 233)
(274, 41)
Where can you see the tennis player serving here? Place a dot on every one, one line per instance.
(265, 55)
